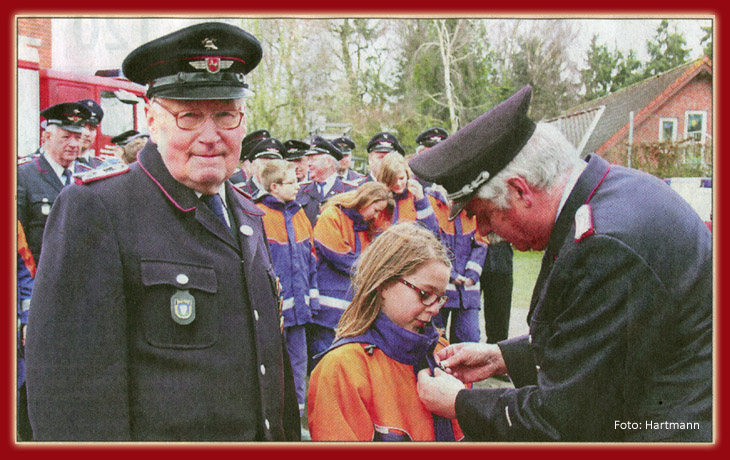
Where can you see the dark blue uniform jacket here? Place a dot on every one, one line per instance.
(620, 325)
(105, 358)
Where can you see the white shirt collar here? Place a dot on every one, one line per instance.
(57, 168)
(570, 185)
(329, 183)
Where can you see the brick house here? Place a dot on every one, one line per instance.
(674, 106)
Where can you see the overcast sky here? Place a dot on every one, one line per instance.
(85, 45)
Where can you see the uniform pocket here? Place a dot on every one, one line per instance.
(168, 281)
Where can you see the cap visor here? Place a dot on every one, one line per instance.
(200, 93)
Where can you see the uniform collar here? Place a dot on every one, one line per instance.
(591, 176)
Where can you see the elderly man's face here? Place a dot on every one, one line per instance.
(518, 225)
(345, 163)
(201, 158)
(63, 146)
(301, 168)
(321, 167)
(374, 159)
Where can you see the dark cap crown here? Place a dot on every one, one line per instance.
(431, 136)
(203, 61)
(124, 138)
(320, 145)
(70, 116)
(97, 113)
(267, 148)
(345, 144)
(295, 149)
(384, 142)
(478, 151)
(251, 140)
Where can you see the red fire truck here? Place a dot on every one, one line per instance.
(37, 89)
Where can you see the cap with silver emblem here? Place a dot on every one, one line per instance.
(203, 61)
(478, 151)
(70, 116)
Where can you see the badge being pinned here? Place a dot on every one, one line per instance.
(584, 222)
(182, 307)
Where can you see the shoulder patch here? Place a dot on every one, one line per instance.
(584, 222)
(101, 173)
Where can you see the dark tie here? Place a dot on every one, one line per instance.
(67, 177)
(320, 187)
(215, 204)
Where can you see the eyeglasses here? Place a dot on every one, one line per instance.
(428, 298)
(189, 120)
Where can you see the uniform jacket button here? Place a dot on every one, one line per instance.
(263, 370)
(267, 424)
(256, 314)
(182, 278)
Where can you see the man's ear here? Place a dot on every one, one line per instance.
(520, 190)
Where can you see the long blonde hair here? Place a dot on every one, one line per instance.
(394, 254)
(390, 167)
(363, 196)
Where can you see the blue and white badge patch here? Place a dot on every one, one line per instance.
(182, 307)
(584, 222)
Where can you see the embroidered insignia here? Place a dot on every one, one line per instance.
(182, 307)
(212, 64)
(209, 44)
(584, 222)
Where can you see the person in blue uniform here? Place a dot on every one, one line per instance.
(41, 180)
(324, 183)
(245, 169)
(378, 146)
(344, 170)
(259, 155)
(88, 135)
(174, 334)
(296, 152)
(424, 141)
(621, 315)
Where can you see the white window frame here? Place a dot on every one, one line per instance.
(704, 123)
(661, 129)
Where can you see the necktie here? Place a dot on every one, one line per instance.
(67, 177)
(320, 186)
(215, 204)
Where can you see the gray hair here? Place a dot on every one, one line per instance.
(543, 162)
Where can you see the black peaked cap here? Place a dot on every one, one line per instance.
(478, 151)
(203, 61)
(295, 149)
(267, 148)
(431, 136)
(70, 116)
(320, 145)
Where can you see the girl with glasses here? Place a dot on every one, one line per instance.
(364, 387)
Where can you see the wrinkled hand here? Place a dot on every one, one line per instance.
(415, 188)
(472, 362)
(438, 393)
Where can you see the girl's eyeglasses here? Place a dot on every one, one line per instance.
(428, 298)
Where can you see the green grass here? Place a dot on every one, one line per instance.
(525, 270)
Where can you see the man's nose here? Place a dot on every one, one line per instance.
(209, 132)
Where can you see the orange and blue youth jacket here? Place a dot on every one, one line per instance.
(469, 251)
(340, 235)
(408, 209)
(291, 242)
(365, 389)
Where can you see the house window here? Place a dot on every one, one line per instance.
(695, 125)
(667, 129)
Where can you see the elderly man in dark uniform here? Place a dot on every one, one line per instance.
(378, 146)
(175, 332)
(322, 158)
(344, 170)
(41, 180)
(620, 343)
